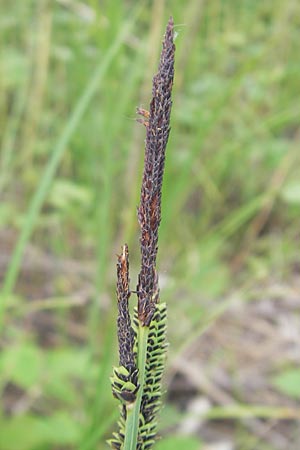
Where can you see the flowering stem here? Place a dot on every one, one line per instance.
(142, 347)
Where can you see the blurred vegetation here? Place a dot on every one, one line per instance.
(72, 73)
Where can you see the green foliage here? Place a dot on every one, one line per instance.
(178, 443)
(22, 365)
(30, 432)
(291, 192)
(288, 382)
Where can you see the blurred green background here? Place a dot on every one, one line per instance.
(72, 74)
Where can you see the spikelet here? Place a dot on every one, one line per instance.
(124, 381)
(155, 362)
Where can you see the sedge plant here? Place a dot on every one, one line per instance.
(136, 382)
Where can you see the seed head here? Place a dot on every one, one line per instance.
(125, 331)
(157, 122)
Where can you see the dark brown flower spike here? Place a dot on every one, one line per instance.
(125, 331)
(157, 122)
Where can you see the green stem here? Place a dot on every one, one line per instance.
(133, 411)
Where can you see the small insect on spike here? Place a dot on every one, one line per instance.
(144, 113)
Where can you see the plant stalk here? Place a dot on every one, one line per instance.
(133, 411)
